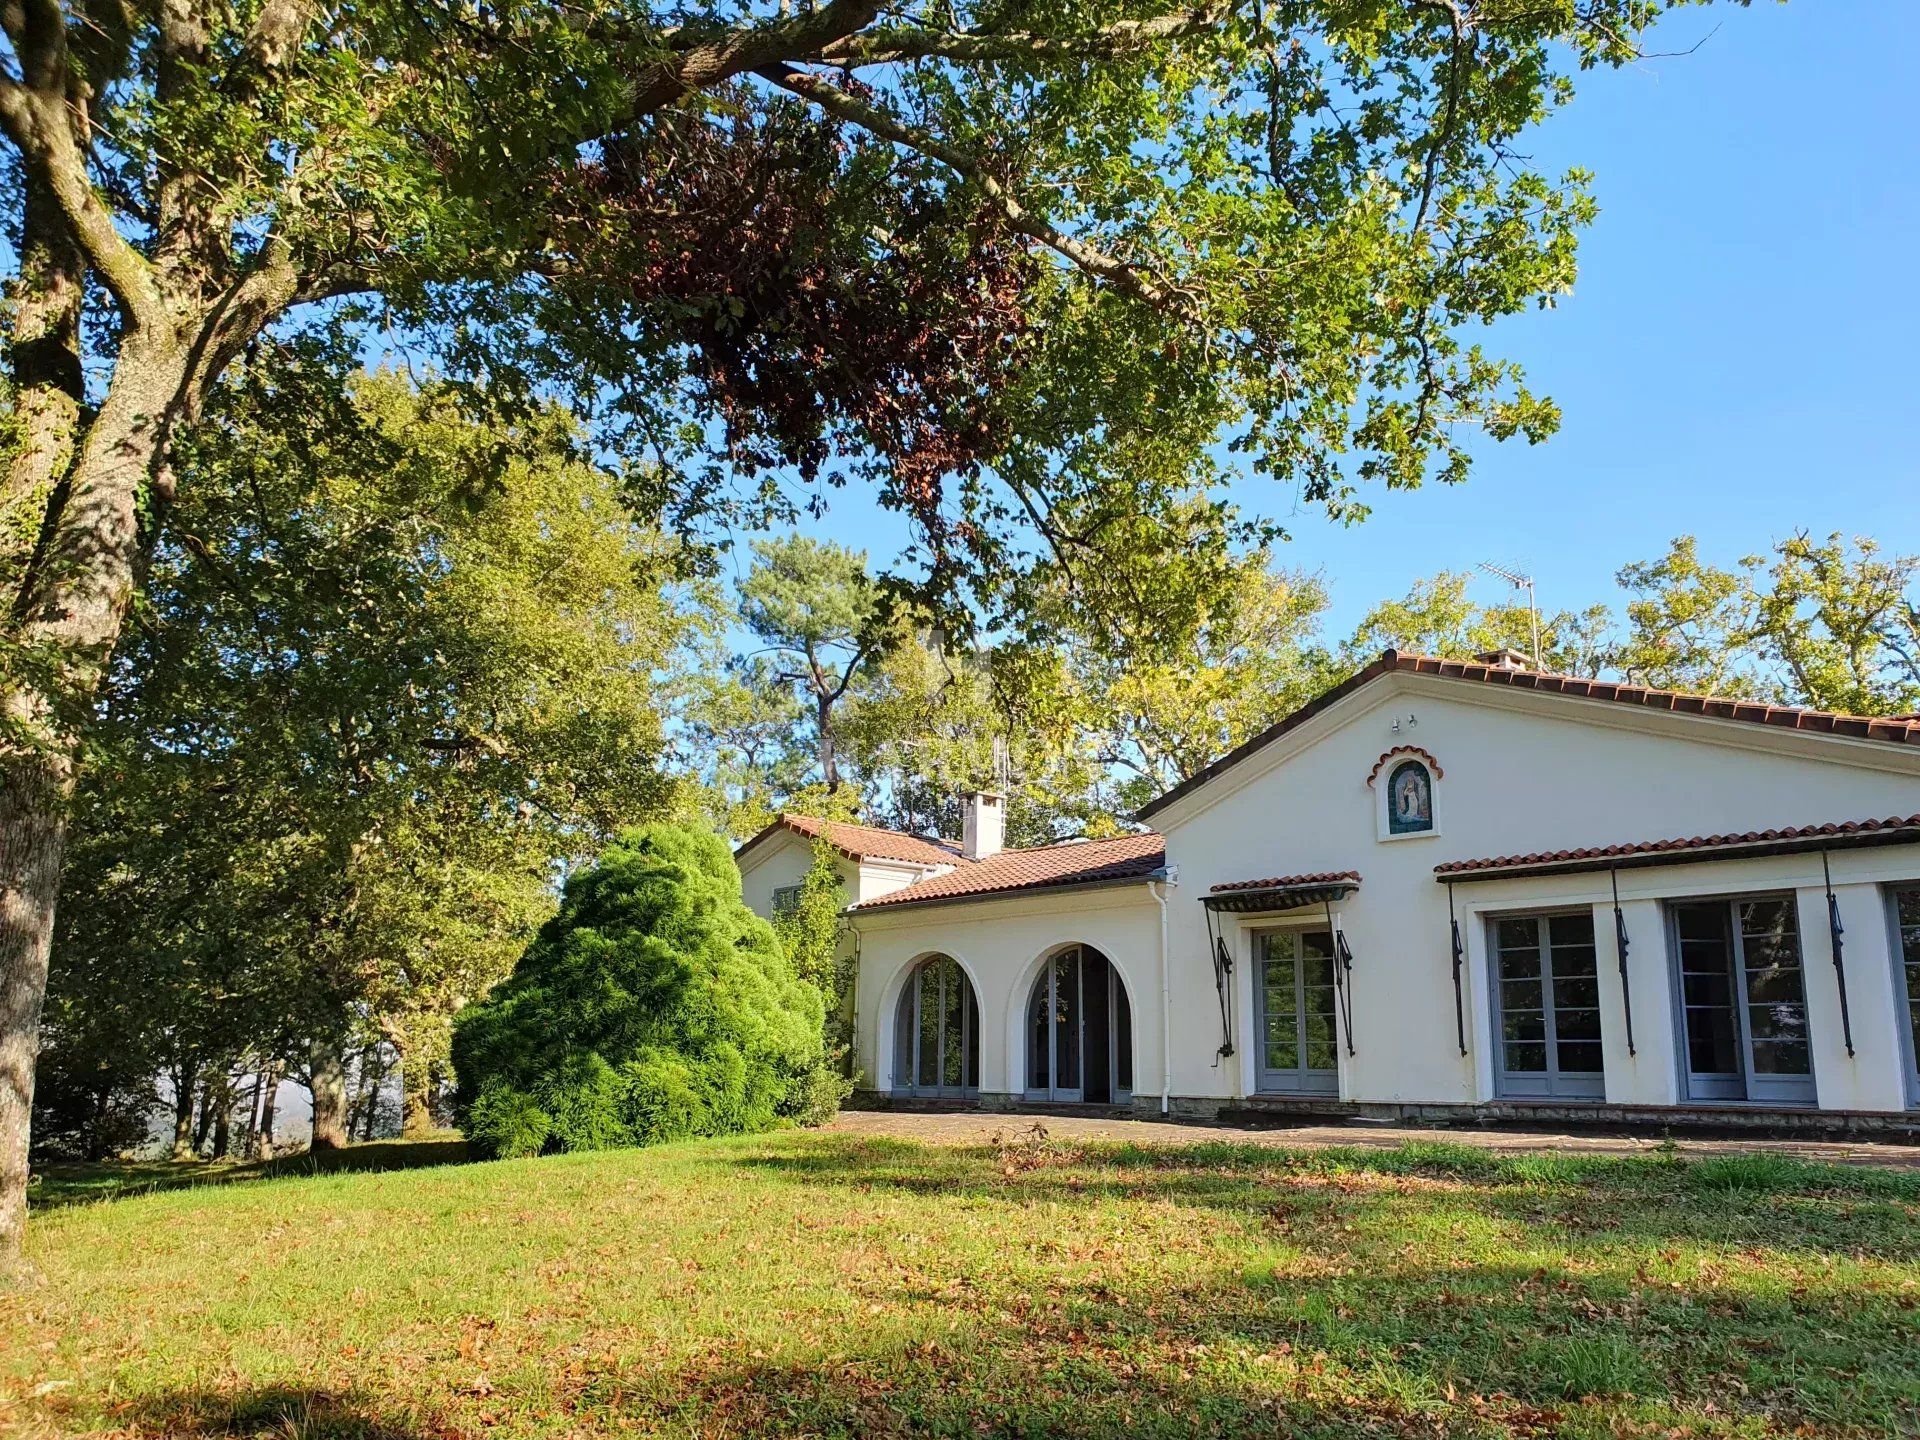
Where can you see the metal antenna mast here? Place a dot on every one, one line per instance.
(1521, 582)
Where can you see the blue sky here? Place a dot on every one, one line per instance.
(1739, 358)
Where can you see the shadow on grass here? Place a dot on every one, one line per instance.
(284, 1413)
(58, 1185)
(1580, 1202)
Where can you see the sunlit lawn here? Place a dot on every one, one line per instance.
(814, 1284)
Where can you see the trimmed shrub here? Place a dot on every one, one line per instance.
(654, 1006)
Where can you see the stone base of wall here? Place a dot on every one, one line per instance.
(1897, 1127)
(1280, 1112)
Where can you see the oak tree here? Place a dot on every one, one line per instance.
(1015, 265)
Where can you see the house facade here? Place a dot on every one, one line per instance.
(1440, 887)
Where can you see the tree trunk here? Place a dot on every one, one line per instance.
(376, 1077)
(416, 1093)
(183, 1078)
(209, 1102)
(419, 1043)
(263, 1136)
(328, 1082)
(250, 1136)
(70, 618)
(223, 1119)
(823, 722)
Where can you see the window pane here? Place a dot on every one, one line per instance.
(1576, 992)
(928, 1072)
(1039, 1031)
(1711, 1045)
(1575, 962)
(953, 1042)
(1780, 1057)
(1702, 924)
(1570, 930)
(1577, 1024)
(1526, 1059)
(1519, 964)
(1122, 1036)
(1707, 989)
(1284, 1055)
(1909, 905)
(1066, 1022)
(1777, 1022)
(1520, 995)
(1523, 1025)
(1580, 1057)
(1517, 933)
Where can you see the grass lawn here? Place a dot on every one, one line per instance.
(817, 1284)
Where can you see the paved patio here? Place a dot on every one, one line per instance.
(978, 1127)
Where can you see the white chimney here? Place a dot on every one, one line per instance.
(983, 831)
(1505, 658)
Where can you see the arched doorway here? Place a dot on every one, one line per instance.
(1079, 1030)
(937, 1033)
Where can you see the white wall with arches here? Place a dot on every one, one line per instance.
(1002, 945)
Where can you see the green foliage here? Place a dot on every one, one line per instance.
(652, 1007)
(1823, 623)
(394, 665)
(1438, 617)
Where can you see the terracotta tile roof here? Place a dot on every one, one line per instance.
(1799, 839)
(863, 842)
(1080, 862)
(1898, 730)
(1281, 882)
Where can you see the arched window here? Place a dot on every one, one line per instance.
(937, 1033)
(1079, 1031)
(1409, 799)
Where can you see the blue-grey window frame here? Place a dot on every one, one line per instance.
(1553, 1083)
(1793, 1092)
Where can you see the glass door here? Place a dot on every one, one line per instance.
(1053, 1030)
(1906, 930)
(1294, 1004)
(1546, 995)
(938, 1034)
(1743, 1000)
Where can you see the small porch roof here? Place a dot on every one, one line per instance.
(1280, 893)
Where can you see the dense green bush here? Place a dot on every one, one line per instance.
(653, 1006)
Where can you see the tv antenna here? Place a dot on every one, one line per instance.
(1520, 581)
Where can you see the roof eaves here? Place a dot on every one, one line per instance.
(1009, 892)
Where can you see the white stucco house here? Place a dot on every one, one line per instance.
(1441, 888)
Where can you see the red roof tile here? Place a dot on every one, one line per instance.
(863, 842)
(1281, 882)
(1794, 839)
(1898, 730)
(1080, 862)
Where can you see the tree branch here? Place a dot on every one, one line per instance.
(889, 44)
(701, 63)
(37, 126)
(843, 106)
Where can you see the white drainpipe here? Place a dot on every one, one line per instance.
(1168, 878)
